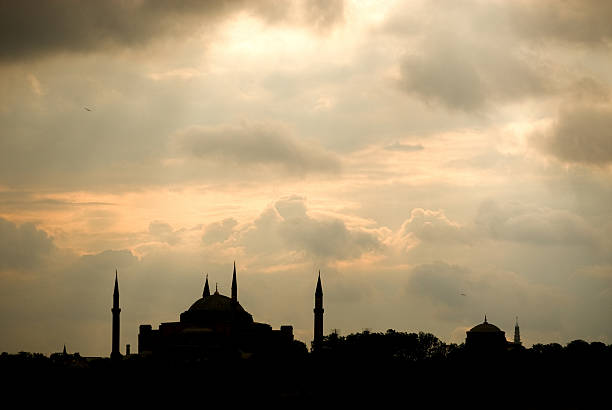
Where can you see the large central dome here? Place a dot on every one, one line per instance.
(214, 309)
(485, 328)
(218, 310)
(216, 303)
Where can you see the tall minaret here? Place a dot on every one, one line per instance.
(318, 315)
(206, 292)
(234, 286)
(517, 333)
(115, 354)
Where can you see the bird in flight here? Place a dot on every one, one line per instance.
(87, 109)
(462, 294)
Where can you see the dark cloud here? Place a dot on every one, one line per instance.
(470, 55)
(462, 294)
(23, 247)
(577, 21)
(404, 147)
(444, 76)
(468, 74)
(30, 29)
(442, 282)
(219, 231)
(534, 224)
(256, 146)
(589, 89)
(22, 200)
(581, 135)
(323, 13)
(107, 261)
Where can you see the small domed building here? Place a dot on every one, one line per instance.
(215, 326)
(486, 337)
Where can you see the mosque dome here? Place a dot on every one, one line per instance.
(216, 308)
(486, 337)
(216, 303)
(485, 328)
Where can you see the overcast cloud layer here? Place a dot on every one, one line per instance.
(437, 161)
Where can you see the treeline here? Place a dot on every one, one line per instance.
(363, 347)
(401, 347)
(356, 367)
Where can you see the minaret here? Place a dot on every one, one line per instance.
(517, 333)
(206, 292)
(318, 315)
(115, 354)
(234, 286)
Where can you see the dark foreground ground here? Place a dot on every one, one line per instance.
(380, 370)
(474, 383)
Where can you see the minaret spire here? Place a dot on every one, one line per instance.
(485, 318)
(234, 285)
(206, 292)
(318, 315)
(115, 354)
(517, 333)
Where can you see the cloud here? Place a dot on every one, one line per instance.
(30, 30)
(22, 200)
(432, 226)
(585, 22)
(470, 56)
(469, 73)
(491, 159)
(256, 147)
(323, 13)
(107, 261)
(219, 231)
(164, 232)
(461, 294)
(534, 224)
(288, 226)
(23, 247)
(404, 147)
(581, 134)
(442, 282)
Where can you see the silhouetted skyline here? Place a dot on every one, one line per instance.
(435, 160)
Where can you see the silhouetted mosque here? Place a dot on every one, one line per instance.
(218, 326)
(488, 338)
(214, 326)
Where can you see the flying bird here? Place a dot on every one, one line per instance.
(463, 294)
(87, 109)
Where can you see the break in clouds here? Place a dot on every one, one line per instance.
(32, 29)
(436, 160)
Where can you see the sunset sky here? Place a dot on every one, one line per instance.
(413, 151)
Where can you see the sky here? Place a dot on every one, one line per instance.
(435, 160)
